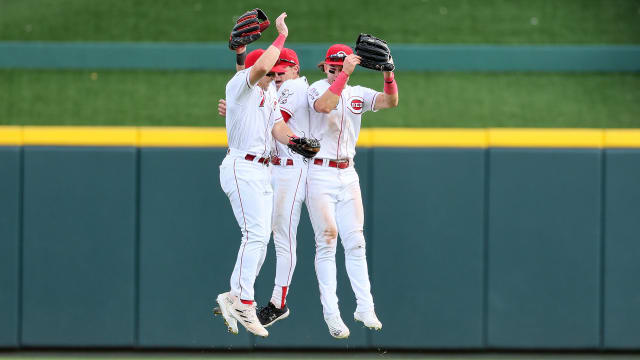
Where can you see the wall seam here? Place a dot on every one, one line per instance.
(21, 186)
(603, 203)
(485, 279)
(136, 252)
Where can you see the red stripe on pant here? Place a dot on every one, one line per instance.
(284, 296)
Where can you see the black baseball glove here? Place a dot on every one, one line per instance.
(307, 147)
(248, 28)
(374, 53)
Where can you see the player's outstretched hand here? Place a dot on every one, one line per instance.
(222, 107)
(281, 26)
(350, 63)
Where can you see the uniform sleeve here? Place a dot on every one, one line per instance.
(369, 97)
(313, 93)
(239, 86)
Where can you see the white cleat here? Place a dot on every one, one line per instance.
(337, 328)
(225, 302)
(369, 319)
(247, 317)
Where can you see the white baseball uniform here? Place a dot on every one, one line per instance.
(289, 177)
(245, 176)
(334, 200)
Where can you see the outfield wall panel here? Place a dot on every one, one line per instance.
(622, 250)
(428, 208)
(544, 248)
(189, 240)
(10, 198)
(79, 246)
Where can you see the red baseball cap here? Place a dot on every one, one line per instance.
(336, 54)
(252, 57)
(287, 58)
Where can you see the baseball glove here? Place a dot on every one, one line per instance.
(307, 147)
(248, 28)
(374, 53)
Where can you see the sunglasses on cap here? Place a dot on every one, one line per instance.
(337, 57)
(293, 63)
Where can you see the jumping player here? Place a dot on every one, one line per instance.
(334, 200)
(289, 177)
(253, 114)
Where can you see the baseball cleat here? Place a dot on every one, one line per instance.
(337, 328)
(225, 302)
(369, 319)
(247, 317)
(270, 314)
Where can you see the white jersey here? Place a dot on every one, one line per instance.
(338, 130)
(251, 114)
(292, 98)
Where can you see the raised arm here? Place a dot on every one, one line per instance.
(328, 101)
(389, 98)
(269, 58)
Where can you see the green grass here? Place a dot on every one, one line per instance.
(402, 21)
(157, 98)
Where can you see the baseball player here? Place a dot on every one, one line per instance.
(334, 200)
(252, 114)
(289, 175)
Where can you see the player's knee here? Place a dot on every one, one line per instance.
(355, 245)
(330, 234)
(325, 250)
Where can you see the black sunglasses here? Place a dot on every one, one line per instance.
(337, 57)
(288, 61)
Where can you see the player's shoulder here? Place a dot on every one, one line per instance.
(294, 85)
(240, 78)
(320, 84)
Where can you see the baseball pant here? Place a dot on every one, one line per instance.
(289, 190)
(335, 206)
(248, 187)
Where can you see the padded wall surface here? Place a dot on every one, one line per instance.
(189, 240)
(622, 250)
(544, 248)
(79, 246)
(428, 228)
(10, 179)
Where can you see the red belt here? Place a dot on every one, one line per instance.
(277, 161)
(262, 160)
(332, 163)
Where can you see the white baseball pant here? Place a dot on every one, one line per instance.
(335, 207)
(248, 187)
(289, 192)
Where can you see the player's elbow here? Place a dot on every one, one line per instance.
(322, 107)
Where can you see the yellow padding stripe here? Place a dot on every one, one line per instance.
(616, 138)
(572, 138)
(403, 137)
(11, 135)
(369, 137)
(80, 136)
(182, 137)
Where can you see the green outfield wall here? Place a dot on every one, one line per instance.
(411, 57)
(472, 247)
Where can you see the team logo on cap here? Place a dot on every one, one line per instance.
(356, 104)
